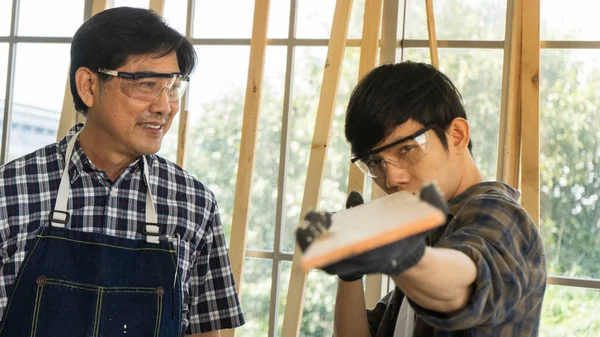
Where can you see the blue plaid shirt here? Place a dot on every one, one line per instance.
(487, 223)
(97, 205)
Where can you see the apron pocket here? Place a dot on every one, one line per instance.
(131, 312)
(64, 308)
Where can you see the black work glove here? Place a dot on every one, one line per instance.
(391, 259)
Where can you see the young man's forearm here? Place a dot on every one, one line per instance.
(350, 318)
(442, 281)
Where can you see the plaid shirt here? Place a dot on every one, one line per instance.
(487, 223)
(185, 206)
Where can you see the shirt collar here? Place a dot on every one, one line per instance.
(456, 203)
(80, 162)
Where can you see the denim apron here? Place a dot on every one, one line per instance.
(78, 284)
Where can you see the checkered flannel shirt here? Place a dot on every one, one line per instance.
(28, 190)
(486, 223)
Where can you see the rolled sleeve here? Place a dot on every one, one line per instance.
(214, 303)
(504, 244)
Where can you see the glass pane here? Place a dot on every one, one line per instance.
(216, 107)
(319, 300)
(232, 19)
(308, 77)
(284, 284)
(475, 73)
(457, 19)
(261, 228)
(47, 18)
(169, 145)
(133, 3)
(570, 312)
(223, 19)
(5, 13)
(315, 18)
(3, 69)
(256, 295)
(38, 96)
(575, 20)
(176, 14)
(279, 19)
(335, 183)
(569, 161)
(414, 54)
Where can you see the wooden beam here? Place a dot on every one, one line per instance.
(68, 115)
(184, 112)
(530, 109)
(368, 60)
(318, 153)
(158, 6)
(433, 45)
(389, 32)
(509, 142)
(182, 137)
(241, 204)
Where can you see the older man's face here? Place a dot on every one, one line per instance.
(135, 127)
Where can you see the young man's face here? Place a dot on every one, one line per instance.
(133, 126)
(407, 170)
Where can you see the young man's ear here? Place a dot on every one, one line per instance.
(86, 82)
(460, 134)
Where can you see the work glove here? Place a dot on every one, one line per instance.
(391, 259)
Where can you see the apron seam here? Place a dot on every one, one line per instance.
(36, 310)
(104, 244)
(158, 315)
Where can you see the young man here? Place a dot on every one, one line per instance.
(484, 272)
(100, 236)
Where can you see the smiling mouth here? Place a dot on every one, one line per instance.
(151, 126)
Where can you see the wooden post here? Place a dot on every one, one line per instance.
(433, 44)
(316, 162)
(368, 59)
(509, 142)
(184, 112)
(241, 205)
(158, 6)
(530, 109)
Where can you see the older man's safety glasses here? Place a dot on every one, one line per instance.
(403, 153)
(148, 87)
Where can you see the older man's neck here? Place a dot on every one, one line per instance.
(101, 152)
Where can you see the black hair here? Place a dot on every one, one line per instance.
(109, 38)
(391, 94)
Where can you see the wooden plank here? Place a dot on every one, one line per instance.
(68, 115)
(390, 219)
(241, 204)
(158, 6)
(316, 162)
(530, 109)
(509, 142)
(182, 137)
(389, 32)
(368, 60)
(433, 45)
(184, 116)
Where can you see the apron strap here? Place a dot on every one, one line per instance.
(59, 217)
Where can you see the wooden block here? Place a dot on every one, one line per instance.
(371, 225)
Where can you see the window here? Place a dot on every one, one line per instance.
(221, 32)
